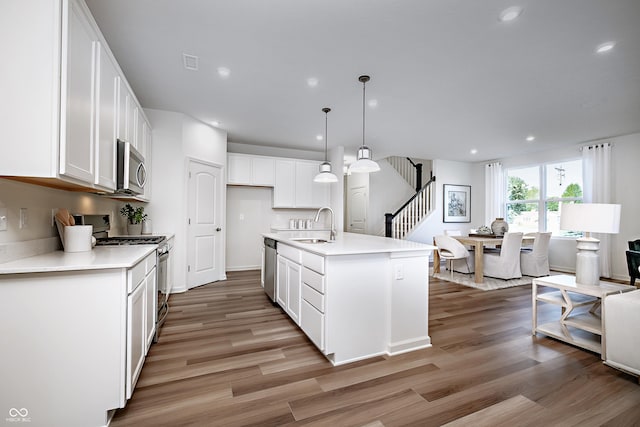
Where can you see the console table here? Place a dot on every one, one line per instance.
(582, 319)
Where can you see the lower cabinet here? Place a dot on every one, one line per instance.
(141, 317)
(313, 299)
(288, 292)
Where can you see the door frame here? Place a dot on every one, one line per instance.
(223, 214)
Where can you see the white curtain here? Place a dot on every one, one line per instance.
(494, 192)
(596, 177)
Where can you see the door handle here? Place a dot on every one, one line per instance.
(218, 229)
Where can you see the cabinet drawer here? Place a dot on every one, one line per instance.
(313, 279)
(313, 297)
(150, 262)
(313, 261)
(138, 272)
(136, 275)
(290, 252)
(312, 323)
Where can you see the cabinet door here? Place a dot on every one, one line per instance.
(151, 297)
(282, 293)
(107, 95)
(135, 337)
(294, 283)
(77, 136)
(284, 188)
(239, 167)
(263, 171)
(121, 122)
(131, 119)
(305, 172)
(147, 145)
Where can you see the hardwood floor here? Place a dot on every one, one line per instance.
(227, 357)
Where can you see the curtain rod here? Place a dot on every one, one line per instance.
(589, 147)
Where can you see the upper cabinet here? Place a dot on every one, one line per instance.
(291, 179)
(295, 188)
(63, 110)
(245, 169)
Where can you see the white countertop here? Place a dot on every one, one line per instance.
(353, 244)
(100, 257)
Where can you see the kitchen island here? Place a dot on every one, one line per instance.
(358, 296)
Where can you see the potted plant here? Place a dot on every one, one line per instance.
(135, 217)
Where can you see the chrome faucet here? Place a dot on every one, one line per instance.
(332, 235)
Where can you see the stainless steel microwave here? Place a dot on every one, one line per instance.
(132, 174)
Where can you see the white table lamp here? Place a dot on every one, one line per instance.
(589, 218)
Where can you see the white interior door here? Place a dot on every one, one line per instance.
(204, 236)
(357, 204)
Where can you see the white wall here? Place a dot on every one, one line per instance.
(387, 192)
(17, 243)
(261, 150)
(455, 173)
(249, 214)
(177, 137)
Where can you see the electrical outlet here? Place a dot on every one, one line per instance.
(3, 219)
(399, 272)
(23, 218)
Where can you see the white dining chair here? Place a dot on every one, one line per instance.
(506, 263)
(455, 254)
(535, 261)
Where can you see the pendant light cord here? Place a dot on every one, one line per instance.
(326, 136)
(326, 110)
(364, 84)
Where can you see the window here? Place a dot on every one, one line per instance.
(535, 195)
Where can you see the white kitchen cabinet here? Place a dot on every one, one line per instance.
(284, 190)
(135, 336)
(313, 298)
(78, 92)
(294, 186)
(289, 281)
(141, 309)
(107, 95)
(244, 169)
(151, 307)
(59, 108)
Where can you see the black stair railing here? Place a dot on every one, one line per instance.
(388, 217)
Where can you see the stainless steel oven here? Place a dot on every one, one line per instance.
(164, 283)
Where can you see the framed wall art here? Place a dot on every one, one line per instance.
(457, 203)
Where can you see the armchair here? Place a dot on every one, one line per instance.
(454, 252)
(633, 264)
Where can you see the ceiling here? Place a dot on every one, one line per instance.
(448, 76)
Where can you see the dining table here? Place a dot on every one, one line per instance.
(478, 242)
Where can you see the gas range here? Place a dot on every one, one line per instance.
(130, 240)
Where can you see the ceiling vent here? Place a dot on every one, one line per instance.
(190, 62)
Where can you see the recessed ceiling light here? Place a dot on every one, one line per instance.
(312, 82)
(510, 13)
(605, 47)
(319, 137)
(530, 138)
(224, 72)
(373, 103)
(473, 151)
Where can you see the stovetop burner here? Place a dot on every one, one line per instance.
(130, 240)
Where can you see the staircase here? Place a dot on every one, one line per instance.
(407, 170)
(419, 206)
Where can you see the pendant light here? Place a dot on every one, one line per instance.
(364, 164)
(325, 174)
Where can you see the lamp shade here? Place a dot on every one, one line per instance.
(364, 164)
(590, 217)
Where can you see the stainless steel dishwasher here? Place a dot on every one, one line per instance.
(270, 265)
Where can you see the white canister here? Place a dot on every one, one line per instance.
(77, 238)
(146, 226)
